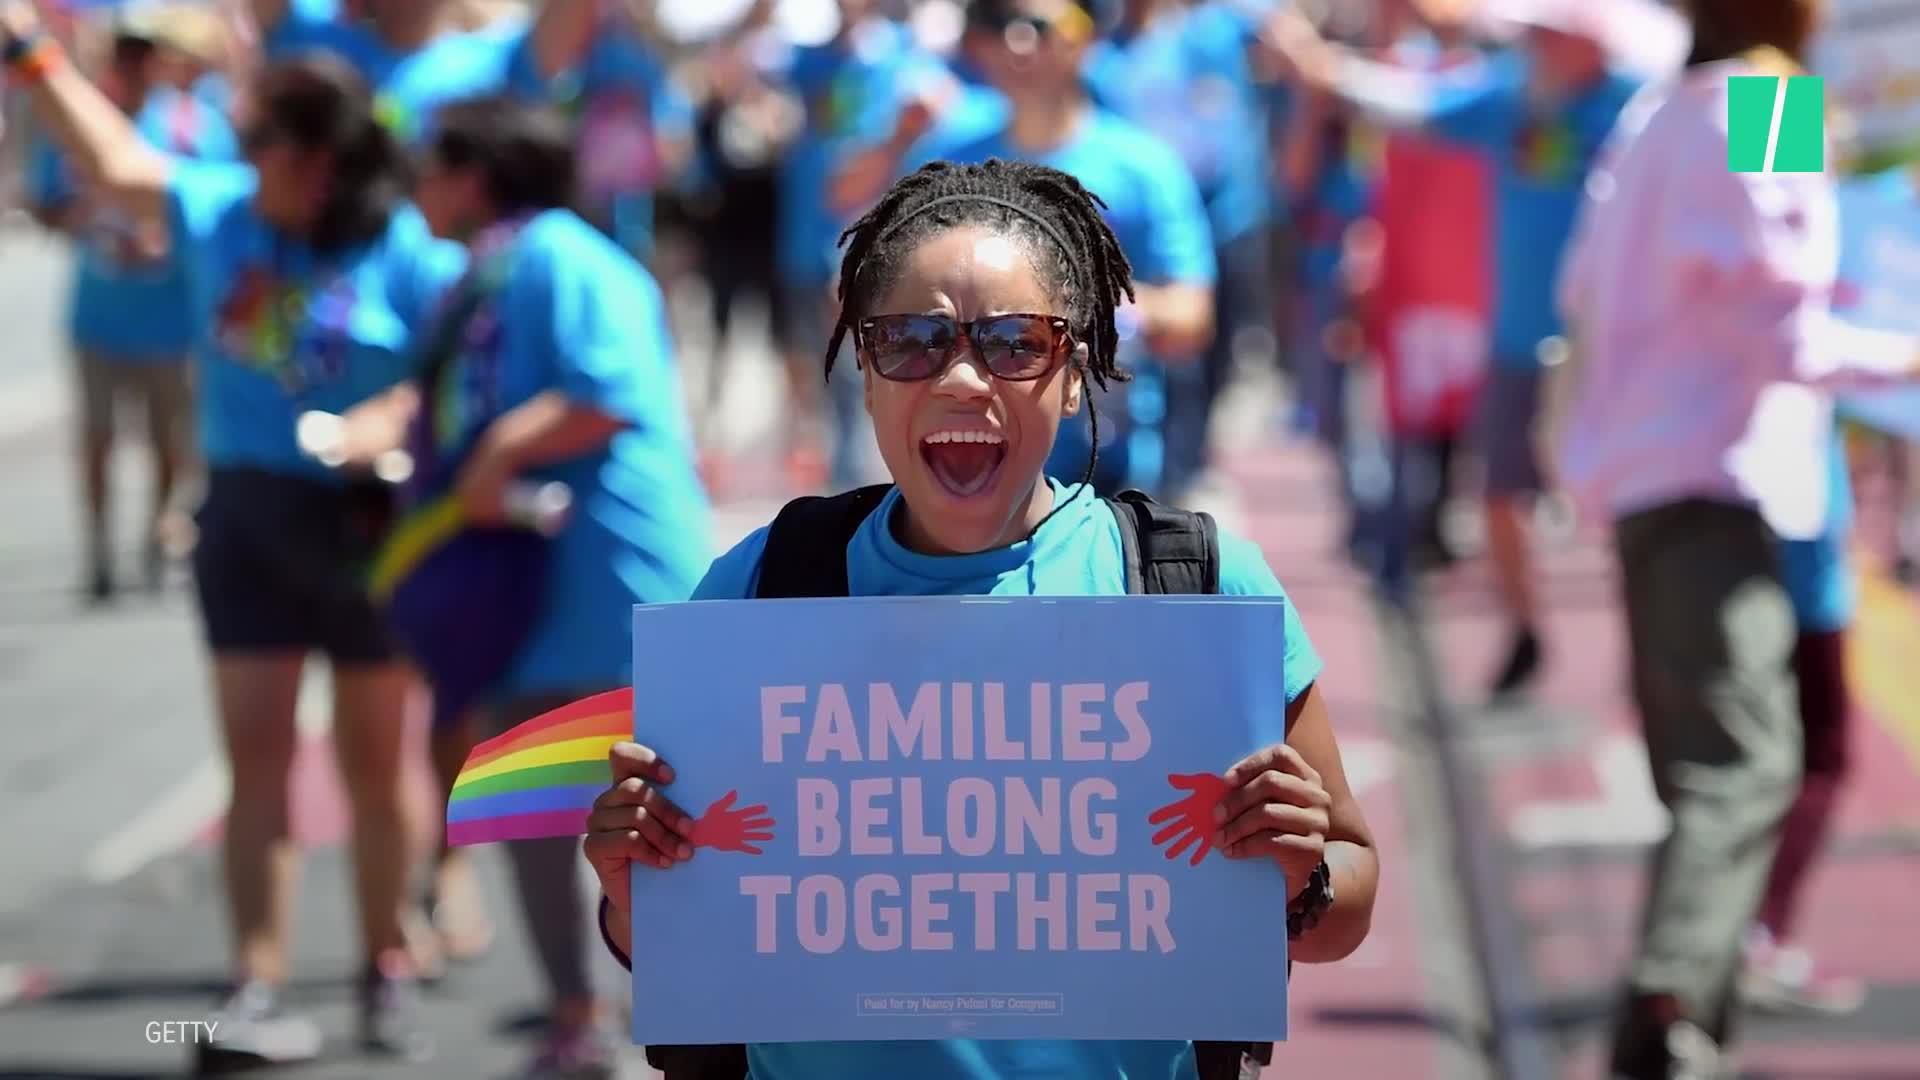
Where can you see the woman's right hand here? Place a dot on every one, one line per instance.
(377, 425)
(632, 823)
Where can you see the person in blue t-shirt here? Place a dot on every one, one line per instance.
(128, 317)
(1185, 73)
(1032, 52)
(305, 274)
(982, 303)
(855, 88)
(634, 125)
(1541, 114)
(563, 372)
(417, 55)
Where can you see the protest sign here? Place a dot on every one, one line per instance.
(1868, 51)
(1429, 314)
(1879, 277)
(924, 818)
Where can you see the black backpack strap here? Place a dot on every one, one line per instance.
(724, 1061)
(806, 553)
(1168, 551)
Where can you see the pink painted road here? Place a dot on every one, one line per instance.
(1573, 799)
(1569, 813)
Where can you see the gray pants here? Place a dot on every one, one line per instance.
(550, 876)
(1711, 631)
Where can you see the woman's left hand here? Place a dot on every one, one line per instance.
(1275, 808)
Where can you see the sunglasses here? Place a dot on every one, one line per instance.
(911, 348)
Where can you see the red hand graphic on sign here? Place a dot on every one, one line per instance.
(725, 828)
(1191, 817)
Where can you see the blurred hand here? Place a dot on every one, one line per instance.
(1362, 251)
(1344, 341)
(1292, 49)
(861, 179)
(376, 426)
(482, 487)
(633, 823)
(18, 18)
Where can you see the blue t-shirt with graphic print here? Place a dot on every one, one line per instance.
(576, 316)
(282, 329)
(125, 308)
(1540, 158)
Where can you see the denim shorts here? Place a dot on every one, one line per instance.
(280, 566)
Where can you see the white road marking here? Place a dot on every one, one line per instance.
(171, 822)
(1369, 763)
(1626, 814)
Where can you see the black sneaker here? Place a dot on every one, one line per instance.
(100, 587)
(250, 1030)
(390, 1019)
(153, 565)
(1523, 663)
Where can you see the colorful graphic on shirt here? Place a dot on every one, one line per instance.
(621, 152)
(1546, 151)
(834, 111)
(469, 391)
(286, 331)
(393, 113)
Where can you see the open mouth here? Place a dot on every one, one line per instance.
(964, 462)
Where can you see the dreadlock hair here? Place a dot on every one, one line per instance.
(1054, 217)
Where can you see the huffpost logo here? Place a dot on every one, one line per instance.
(1776, 124)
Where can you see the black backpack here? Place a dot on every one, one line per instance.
(1168, 551)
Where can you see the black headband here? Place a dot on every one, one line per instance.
(1040, 222)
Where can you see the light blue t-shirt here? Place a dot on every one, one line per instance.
(123, 309)
(282, 330)
(1540, 162)
(1186, 79)
(408, 86)
(1076, 552)
(1818, 576)
(852, 92)
(577, 316)
(624, 105)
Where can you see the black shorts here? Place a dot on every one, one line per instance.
(280, 566)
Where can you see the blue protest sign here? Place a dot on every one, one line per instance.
(925, 818)
(1879, 276)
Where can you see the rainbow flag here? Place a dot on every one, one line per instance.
(540, 779)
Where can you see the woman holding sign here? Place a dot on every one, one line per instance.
(981, 301)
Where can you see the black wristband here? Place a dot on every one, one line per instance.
(1306, 908)
(12, 49)
(606, 936)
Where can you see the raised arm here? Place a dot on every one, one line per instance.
(95, 135)
(267, 14)
(562, 34)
